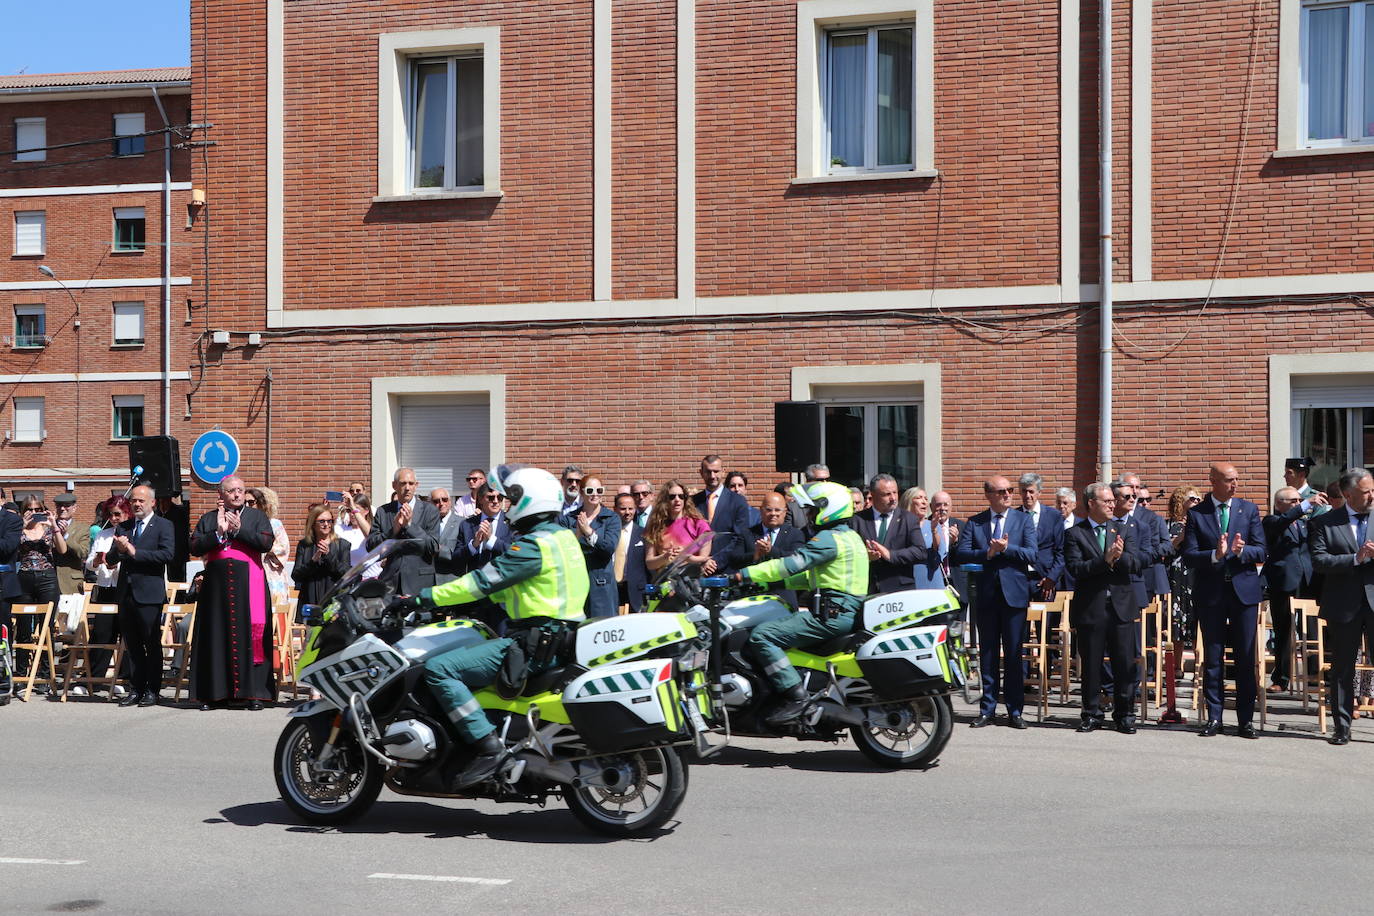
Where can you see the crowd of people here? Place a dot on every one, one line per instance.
(1215, 554)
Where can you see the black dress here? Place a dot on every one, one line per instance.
(227, 663)
(314, 577)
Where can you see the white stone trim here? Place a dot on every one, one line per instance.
(813, 17)
(45, 378)
(393, 51)
(602, 174)
(64, 191)
(387, 391)
(686, 150)
(1239, 287)
(1069, 216)
(1348, 149)
(276, 157)
(91, 284)
(1290, 75)
(805, 379)
(1142, 140)
(1282, 368)
(868, 176)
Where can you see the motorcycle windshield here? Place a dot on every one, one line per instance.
(676, 566)
(354, 575)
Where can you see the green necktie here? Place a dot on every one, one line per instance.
(1102, 538)
(1225, 519)
(882, 531)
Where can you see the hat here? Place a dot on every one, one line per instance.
(1300, 464)
(64, 499)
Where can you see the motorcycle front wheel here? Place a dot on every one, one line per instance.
(644, 789)
(338, 795)
(906, 735)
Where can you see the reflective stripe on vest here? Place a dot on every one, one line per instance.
(848, 572)
(560, 587)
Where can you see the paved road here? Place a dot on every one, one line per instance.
(174, 811)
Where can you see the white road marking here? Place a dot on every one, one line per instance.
(457, 879)
(7, 860)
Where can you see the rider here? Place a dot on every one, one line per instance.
(540, 580)
(837, 565)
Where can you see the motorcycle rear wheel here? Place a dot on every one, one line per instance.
(344, 797)
(655, 784)
(917, 732)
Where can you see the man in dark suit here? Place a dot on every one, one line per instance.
(449, 559)
(11, 532)
(1103, 613)
(893, 538)
(939, 535)
(1288, 573)
(1049, 537)
(482, 537)
(408, 518)
(1002, 542)
(728, 515)
(143, 546)
(775, 537)
(1343, 553)
(1223, 541)
(1154, 573)
(631, 575)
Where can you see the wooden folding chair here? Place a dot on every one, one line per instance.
(1309, 659)
(180, 647)
(1063, 636)
(1264, 659)
(1154, 643)
(39, 646)
(78, 671)
(1035, 653)
(172, 589)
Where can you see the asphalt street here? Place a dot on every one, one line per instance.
(169, 810)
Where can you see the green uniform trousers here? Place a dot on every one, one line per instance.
(768, 644)
(453, 676)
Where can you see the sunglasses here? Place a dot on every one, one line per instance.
(493, 497)
(677, 496)
(474, 480)
(1144, 499)
(324, 520)
(572, 482)
(1001, 492)
(441, 499)
(593, 491)
(250, 502)
(638, 493)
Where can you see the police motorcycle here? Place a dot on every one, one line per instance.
(604, 732)
(888, 684)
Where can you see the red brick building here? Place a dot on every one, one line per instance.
(617, 233)
(81, 328)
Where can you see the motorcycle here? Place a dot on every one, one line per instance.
(604, 731)
(887, 683)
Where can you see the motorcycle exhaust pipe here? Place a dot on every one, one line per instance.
(843, 715)
(535, 765)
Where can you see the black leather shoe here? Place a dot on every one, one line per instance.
(131, 698)
(483, 766)
(1089, 725)
(1210, 729)
(1340, 737)
(1016, 720)
(981, 722)
(204, 707)
(1247, 731)
(147, 698)
(789, 707)
(1125, 726)
(254, 705)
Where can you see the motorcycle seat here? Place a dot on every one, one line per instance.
(553, 679)
(845, 642)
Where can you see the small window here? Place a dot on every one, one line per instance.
(30, 232)
(28, 420)
(446, 123)
(128, 416)
(129, 139)
(129, 227)
(30, 327)
(868, 93)
(30, 138)
(1338, 73)
(128, 324)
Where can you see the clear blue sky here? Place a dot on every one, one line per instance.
(66, 36)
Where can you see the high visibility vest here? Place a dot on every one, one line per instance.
(560, 587)
(848, 572)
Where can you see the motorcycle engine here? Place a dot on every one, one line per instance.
(410, 739)
(736, 690)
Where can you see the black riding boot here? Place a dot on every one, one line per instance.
(483, 766)
(792, 703)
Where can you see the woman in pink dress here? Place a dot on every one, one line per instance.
(674, 524)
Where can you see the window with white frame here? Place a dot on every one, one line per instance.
(30, 138)
(445, 120)
(1337, 73)
(30, 327)
(439, 111)
(129, 139)
(28, 420)
(865, 89)
(129, 229)
(128, 324)
(868, 95)
(128, 416)
(30, 232)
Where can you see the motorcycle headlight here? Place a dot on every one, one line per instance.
(693, 659)
(956, 629)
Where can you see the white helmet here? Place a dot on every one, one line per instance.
(531, 491)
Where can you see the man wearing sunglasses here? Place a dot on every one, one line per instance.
(482, 538)
(1003, 543)
(449, 559)
(469, 505)
(1158, 549)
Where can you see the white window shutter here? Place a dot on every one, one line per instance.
(30, 136)
(129, 213)
(128, 322)
(30, 231)
(128, 124)
(441, 439)
(28, 419)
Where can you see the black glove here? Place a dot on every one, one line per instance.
(404, 604)
(737, 578)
